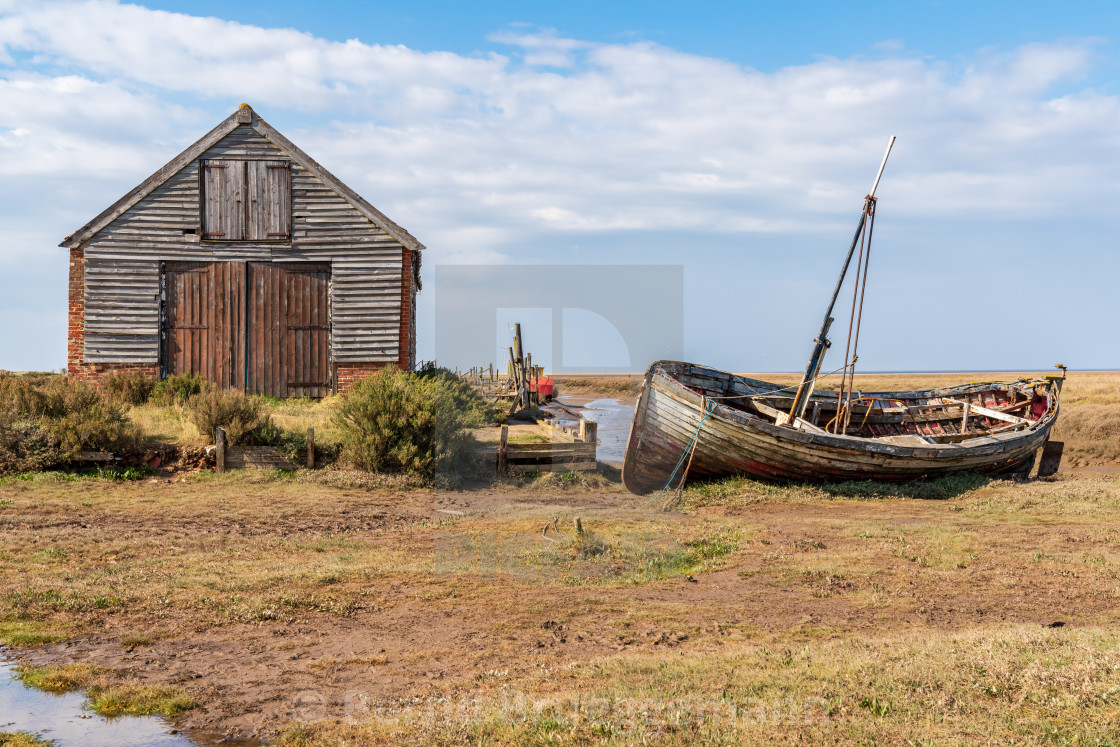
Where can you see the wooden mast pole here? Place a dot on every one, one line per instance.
(822, 343)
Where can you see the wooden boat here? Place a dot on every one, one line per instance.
(693, 422)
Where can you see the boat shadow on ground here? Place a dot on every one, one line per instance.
(937, 488)
(741, 487)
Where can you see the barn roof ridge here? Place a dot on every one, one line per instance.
(244, 115)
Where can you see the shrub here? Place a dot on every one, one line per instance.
(47, 425)
(128, 388)
(392, 421)
(177, 389)
(240, 415)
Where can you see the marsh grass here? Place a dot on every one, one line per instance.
(617, 553)
(1013, 685)
(1091, 433)
(572, 481)
(622, 385)
(744, 490)
(812, 594)
(107, 694)
(23, 739)
(29, 633)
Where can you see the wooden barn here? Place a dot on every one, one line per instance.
(247, 262)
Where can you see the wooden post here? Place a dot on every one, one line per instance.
(219, 449)
(579, 526)
(502, 466)
(518, 351)
(529, 379)
(311, 448)
(964, 420)
(588, 431)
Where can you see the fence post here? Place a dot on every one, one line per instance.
(220, 449)
(588, 431)
(310, 448)
(502, 450)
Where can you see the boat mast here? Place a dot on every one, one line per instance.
(822, 343)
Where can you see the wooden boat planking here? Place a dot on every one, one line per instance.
(898, 435)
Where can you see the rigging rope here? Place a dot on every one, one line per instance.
(859, 290)
(708, 410)
(769, 392)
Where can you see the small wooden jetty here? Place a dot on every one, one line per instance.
(568, 450)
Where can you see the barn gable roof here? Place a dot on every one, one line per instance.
(243, 116)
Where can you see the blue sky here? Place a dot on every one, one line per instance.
(733, 139)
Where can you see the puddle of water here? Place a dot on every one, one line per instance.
(63, 719)
(614, 419)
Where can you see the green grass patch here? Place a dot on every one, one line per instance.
(23, 739)
(106, 698)
(139, 700)
(57, 679)
(529, 438)
(741, 490)
(29, 634)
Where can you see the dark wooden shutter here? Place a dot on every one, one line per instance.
(223, 210)
(270, 202)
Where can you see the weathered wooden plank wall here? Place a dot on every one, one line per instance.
(122, 311)
(166, 226)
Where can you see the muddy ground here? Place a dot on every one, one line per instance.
(801, 569)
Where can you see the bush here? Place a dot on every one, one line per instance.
(128, 388)
(240, 415)
(47, 425)
(177, 389)
(392, 421)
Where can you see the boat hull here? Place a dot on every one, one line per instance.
(671, 412)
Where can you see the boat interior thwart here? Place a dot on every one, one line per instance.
(693, 422)
(696, 422)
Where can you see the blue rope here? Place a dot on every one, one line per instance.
(708, 410)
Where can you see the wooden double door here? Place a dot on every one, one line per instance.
(263, 327)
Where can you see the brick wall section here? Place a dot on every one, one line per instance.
(76, 330)
(348, 373)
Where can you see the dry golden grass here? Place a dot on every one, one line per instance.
(579, 385)
(166, 424)
(172, 424)
(1011, 685)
